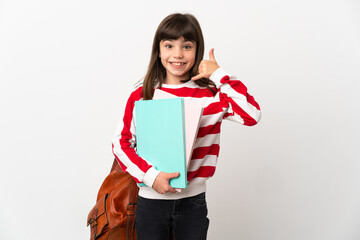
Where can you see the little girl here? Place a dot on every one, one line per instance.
(176, 66)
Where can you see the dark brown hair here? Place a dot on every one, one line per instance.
(173, 27)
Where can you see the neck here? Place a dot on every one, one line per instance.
(175, 81)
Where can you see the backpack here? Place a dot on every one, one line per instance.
(113, 216)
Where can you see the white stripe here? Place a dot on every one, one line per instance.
(235, 118)
(207, 140)
(132, 168)
(208, 160)
(241, 101)
(203, 101)
(199, 180)
(212, 119)
(133, 130)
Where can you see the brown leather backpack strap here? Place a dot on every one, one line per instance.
(115, 165)
(133, 196)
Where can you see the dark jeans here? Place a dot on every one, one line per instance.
(186, 217)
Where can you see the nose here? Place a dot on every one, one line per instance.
(178, 53)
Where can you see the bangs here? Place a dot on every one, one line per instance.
(180, 27)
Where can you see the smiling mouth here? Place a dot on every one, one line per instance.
(177, 63)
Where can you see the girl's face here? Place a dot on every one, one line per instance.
(177, 57)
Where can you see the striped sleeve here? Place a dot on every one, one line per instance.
(239, 104)
(124, 144)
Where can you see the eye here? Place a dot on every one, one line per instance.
(187, 47)
(168, 46)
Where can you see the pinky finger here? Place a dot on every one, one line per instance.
(197, 77)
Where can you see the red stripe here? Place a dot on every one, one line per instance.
(123, 167)
(201, 152)
(211, 129)
(205, 171)
(225, 79)
(239, 87)
(212, 108)
(248, 120)
(252, 101)
(189, 92)
(126, 134)
(227, 115)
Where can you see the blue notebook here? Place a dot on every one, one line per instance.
(160, 136)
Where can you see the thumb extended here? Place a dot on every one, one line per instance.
(172, 175)
(211, 55)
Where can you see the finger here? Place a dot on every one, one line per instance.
(172, 190)
(199, 76)
(169, 176)
(211, 55)
(173, 175)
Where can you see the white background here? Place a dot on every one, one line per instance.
(67, 68)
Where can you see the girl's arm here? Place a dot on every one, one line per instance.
(124, 143)
(239, 104)
(123, 147)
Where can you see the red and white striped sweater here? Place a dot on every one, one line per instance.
(231, 102)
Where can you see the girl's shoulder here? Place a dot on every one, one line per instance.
(136, 90)
(138, 84)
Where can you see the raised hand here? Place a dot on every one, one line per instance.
(207, 67)
(161, 183)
